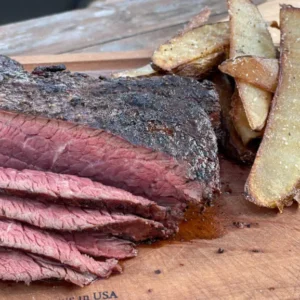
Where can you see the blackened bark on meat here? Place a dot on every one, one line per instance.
(165, 114)
(44, 69)
(10, 67)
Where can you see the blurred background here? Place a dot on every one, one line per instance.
(35, 27)
(20, 10)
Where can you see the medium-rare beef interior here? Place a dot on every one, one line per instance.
(70, 219)
(89, 166)
(53, 246)
(99, 244)
(76, 191)
(20, 266)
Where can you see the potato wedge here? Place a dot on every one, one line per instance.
(230, 142)
(275, 176)
(249, 35)
(258, 71)
(146, 70)
(197, 21)
(256, 103)
(240, 121)
(194, 44)
(201, 67)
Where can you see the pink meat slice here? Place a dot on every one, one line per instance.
(102, 245)
(18, 236)
(19, 266)
(76, 191)
(68, 218)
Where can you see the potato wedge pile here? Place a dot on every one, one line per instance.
(275, 175)
(240, 58)
(249, 35)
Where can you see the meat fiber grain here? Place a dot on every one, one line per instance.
(21, 267)
(76, 191)
(68, 218)
(15, 235)
(102, 245)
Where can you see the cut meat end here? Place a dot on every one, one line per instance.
(19, 266)
(102, 245)
(36, 143)
(18, 236)
(151, 136)
(64, 218)
(76, 191)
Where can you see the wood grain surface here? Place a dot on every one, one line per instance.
(89, 61)
(105, 26)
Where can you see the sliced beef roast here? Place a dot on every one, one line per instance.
(102, 245)
(149, 136)
(19, 266)
(21, 237)
(73, 147)
(68, 218)
(76, 191)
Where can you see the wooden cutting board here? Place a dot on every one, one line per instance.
(260, 260)
(234, 250)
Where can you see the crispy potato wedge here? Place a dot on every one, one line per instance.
(249, 35)
(194, 44)
(258, 71)
(146, 70)
(256, 103)
(197, 21)
(230, 143)
(240, 121)
(275, 176)
(201, 67)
